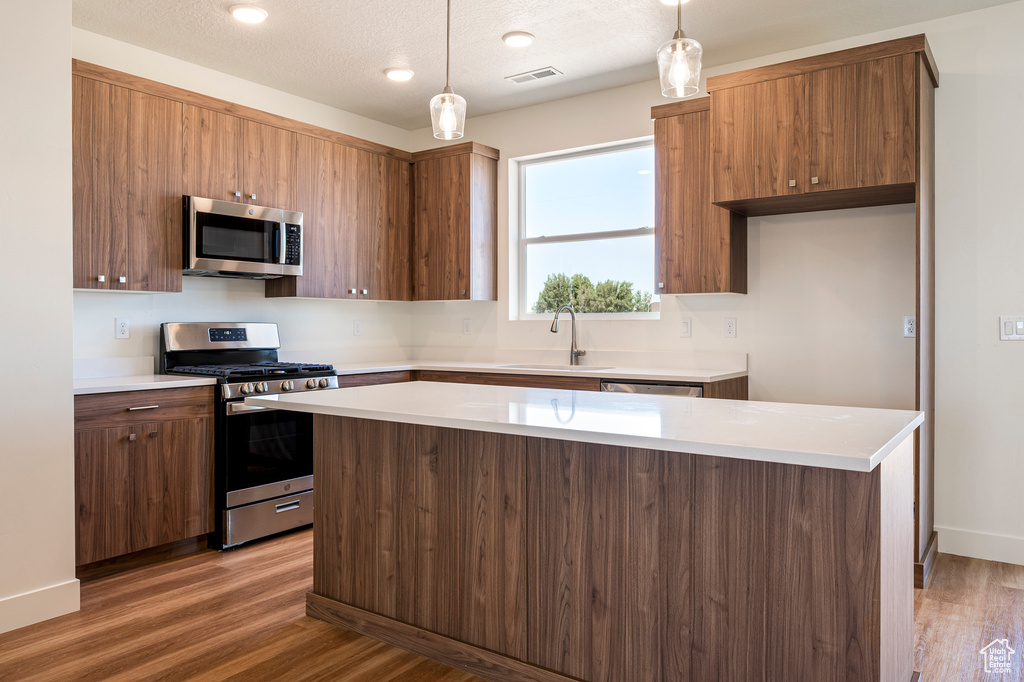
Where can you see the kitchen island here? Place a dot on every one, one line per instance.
(524, 533)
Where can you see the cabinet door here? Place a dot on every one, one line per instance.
(99, 138)
(863, 124)
(214, 154)
(395, 272)
(269, 166)
(780, 138)
(442, 228)
(345, 168)
(101, 494)
(760, 139)
(154, 193)
(170, 475)
(369, 225)
(700, 247)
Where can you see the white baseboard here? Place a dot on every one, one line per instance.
(980, 545)
(20, 610)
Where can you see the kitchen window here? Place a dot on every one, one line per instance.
(586, 232)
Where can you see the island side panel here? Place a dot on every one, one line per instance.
(897, 555)
(424, 525)
(823, 613)
(729, 558)
(576, 559)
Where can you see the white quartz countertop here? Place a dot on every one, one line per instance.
(139, 382)
(634, 373)
(850, 438)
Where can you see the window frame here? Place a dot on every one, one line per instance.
(524, 312)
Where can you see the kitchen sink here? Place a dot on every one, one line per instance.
(571, 368)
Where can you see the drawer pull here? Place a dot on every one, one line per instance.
(132, 437)
(153, 434)
(144, 407)
(287, 506)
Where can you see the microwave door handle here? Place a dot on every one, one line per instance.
(282, 243)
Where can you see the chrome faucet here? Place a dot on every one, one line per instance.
(574, 352)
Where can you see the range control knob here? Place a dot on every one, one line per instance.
(287, 385)
(324, 383)
(261, 387)
(310, 383)
(245, 389)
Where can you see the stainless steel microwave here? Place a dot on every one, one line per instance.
(227, 239)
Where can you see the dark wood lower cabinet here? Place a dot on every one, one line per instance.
(526, 558)
(141, 484)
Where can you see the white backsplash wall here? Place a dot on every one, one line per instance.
(822, 322)
(311, 330)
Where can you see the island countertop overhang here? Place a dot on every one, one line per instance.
(848, 438)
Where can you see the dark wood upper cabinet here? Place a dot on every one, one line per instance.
(357, 233)
(832, 131)
(699, 247)
(233, 159)
(127, 185)
(455, 198)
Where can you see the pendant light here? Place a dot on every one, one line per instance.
(679, 62)
(448, 110)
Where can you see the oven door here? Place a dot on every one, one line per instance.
(268, 453)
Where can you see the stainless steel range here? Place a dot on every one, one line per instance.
(263, 458)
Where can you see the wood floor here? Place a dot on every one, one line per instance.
(240, 616)
(236, 615)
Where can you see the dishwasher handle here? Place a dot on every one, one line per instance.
(653, 389)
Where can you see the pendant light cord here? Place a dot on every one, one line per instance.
(448, 46)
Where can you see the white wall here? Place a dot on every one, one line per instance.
(37, 533)
(828, 290)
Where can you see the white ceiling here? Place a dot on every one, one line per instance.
(335, 51)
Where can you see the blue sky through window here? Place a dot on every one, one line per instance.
(598, 192)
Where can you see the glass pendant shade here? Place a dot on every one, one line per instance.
(679, 66)
(448, 115)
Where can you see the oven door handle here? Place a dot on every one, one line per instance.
(242, 408)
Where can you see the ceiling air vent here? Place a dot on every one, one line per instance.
(534, 75)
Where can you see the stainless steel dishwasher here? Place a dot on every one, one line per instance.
(688, 391)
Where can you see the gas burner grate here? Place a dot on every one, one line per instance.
(254, 369)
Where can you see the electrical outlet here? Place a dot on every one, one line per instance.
(684, 328)
(910, 326)
(121, 328)
(467, 326)
(357, 327)
(730, 327)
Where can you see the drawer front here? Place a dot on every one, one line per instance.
(243, 524)
(352, 380)
(527, 380)
(103, 410)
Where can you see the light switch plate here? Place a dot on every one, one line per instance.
(685, 329)
(1011, 327)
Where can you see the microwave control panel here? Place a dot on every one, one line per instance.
(293, 245)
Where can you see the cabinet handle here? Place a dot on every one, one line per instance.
(365, 292)
(661, 285)
(287, 506)
(101, 278)
(144, 407)
(814, 180)
(351, 291)
(792, 183)
(132, 437)
(122, 279)
(153, 434)
(253, 197)
(463, 292)
(238, 194)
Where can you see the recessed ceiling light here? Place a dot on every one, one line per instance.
(673, 3)
(399, 74)
(518, 39)
(248, 13)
